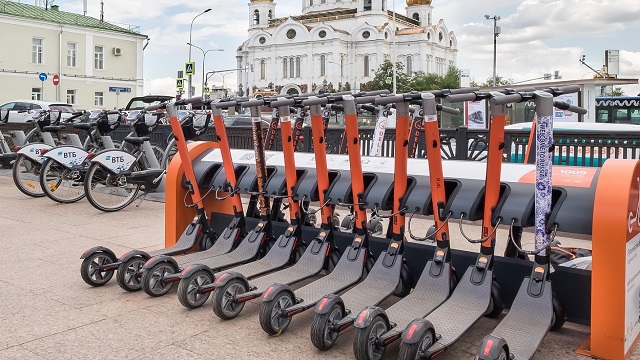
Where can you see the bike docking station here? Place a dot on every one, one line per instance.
(601, 202)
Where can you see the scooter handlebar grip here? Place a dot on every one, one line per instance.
(448, 110)
(252, 103)
(389, 99)
(369, 108)
(372, 93)
(365, 99)
(337, 107)
(455, 98)
(568, 107)
(193, 100)
(315, 101)
(570, 89)
(224, 104)
(155, 107)
(283, 102)
(506, 99)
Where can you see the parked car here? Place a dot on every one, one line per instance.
(21, 111)
(244, 120)
(141, 102)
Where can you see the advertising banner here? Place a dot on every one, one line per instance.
(566, 116)
(475, 114)
(378, 133)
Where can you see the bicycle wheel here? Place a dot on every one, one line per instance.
(61, 183)
(26, 176)
(107, 191)
(163, 159)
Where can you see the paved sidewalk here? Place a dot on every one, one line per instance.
(48, 312)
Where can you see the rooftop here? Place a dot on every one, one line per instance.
(12, 8)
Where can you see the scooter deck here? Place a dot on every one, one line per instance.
(377, 286)
(307, 266)
(346, 273)
(247, 250)
(467, 304)
(536, 313)
(428, 294)
(277, 257)
(183, 245)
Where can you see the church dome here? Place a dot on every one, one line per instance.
(417, 2)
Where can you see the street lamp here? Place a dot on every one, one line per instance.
(496, 32)
(189, 93)
(204, 57)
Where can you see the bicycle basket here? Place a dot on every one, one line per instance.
(107, 124)
(146, 127)
(43, 119)
(196, 125)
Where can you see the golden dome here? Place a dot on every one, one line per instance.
(418, 2)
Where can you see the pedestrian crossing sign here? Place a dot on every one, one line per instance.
(189, 68)
(388, 80)
(180, 83)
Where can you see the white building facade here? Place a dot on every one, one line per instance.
(90, 56)
(340, 42)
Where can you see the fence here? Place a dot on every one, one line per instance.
(573, 148)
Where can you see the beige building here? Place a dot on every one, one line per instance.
(90, 56)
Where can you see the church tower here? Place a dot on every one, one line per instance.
(420, 10)
(260, 12)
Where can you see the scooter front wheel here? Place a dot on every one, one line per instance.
(153, 282)
(91, 269)
(414, 351)
(128, 275)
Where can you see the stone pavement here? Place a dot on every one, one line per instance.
(48, 312)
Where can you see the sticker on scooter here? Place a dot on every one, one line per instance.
(116, 161)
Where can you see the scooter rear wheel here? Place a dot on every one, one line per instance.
(270, 320)
(322, 336)
(188, 289)
(224, 305)
(90, 269)
(414, 351)
(128, 275)
(364, 341)
(152, 282)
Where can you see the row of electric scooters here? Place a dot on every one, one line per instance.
(244, 264)
(66, 169)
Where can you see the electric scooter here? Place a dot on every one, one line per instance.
(280, 302)
(99, 262)
(376, 328)
(535, 310)
(476, 294)
(159, 273)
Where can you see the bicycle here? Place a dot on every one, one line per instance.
(115, 177)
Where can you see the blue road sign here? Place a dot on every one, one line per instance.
(43, 76)
(121, 89)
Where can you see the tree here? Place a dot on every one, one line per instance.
(615, 91)
(385, 70)
(500, 81)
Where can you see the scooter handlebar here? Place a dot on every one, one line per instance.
(454, 98)
(366, 99)
(252, 103)
(448, 110)
(568, 107)
(569, 89)
(315, 101)
(372, 93)
(283, 102)
(389, 99)
(156, 107)
(369, 108)
(506, 99)
(448, 92)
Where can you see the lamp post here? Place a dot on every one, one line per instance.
(204, 57)
(393, 56)
(189, 93)
(496, 32)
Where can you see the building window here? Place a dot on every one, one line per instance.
(71, 97)
(72, 49)
(366, 66)
(256, 17)
(384, 5)
(98, 57)
(36, 93)
(440, 66)
(270, 15)
(37, 50)
(366, 34)
(341, 67)
(298, 65)
(323, 65)
(322, 34)
(367, 5)
(428, 36)
(285, 62)
(416, 16)
(291, 67)
(323, 1)
(409, 65)
(429, 19)
(263, 69)
(440, 36)
(98, 99)
(291, 33)
(262, 40)
(310, 2)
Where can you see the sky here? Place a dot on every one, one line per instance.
(538, 36)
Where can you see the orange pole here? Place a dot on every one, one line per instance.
(400, 165)
(355, 164)
(492, 184)
(227, 160)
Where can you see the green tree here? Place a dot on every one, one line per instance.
(500, 81)
(385, 70)
(422, 81)
(616, 91)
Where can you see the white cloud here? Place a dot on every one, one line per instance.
(163, 86)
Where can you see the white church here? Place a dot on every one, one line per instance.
(335, 42)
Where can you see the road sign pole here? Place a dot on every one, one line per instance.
(42, 89)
